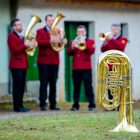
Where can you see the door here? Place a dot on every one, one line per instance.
(71, 29)
(32, 72)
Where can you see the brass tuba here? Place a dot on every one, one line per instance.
(118, 80)
(103, 36)
(57, 32)
(29, 36)
(80, 43)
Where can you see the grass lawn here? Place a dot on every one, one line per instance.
(66, 126)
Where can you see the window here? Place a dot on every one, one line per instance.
(124, 30)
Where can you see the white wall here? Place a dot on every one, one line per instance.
(4, 22)
(102, 17)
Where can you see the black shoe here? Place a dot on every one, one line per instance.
(91, 109)
(43, 108)
(22, 109)
(74, 109)
(54, 108)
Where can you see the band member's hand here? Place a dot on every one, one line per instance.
(27, 43)
(33, 43)
(64, 41)
(108, 37)
(54, 39)
(36, 44)
(74, 44)
(83, 38)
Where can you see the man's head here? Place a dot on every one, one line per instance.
(16, 25)
(81, 30)
(49, 19)
(116, 29)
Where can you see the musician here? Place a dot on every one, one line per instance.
(114, 41)
(48, 65)
(18, 63)
(82, 68)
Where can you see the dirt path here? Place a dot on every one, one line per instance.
(13, 115)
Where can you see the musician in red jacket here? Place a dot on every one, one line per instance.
(18, 64)
(82, 67)
(48, 65)
(114, 41)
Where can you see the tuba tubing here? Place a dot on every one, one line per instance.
(57, 47)
(117, 79)
(28, 35)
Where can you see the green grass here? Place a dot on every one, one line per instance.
(66, 126)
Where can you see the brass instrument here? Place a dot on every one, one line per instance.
(57, 33)
(103, 36)
(119, 81)
(29, 36)
(80, 43)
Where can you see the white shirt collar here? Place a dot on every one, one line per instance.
(115, 37)
(19, 34)
(47, 28)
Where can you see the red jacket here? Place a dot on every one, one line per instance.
(118, 44)
(82, 59)
(112, 44)
(18, 57)
(46, 54)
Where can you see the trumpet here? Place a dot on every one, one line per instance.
(80, 43)
(104, 36)
(29, 36)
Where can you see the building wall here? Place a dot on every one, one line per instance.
(102, 18)
(4, 22)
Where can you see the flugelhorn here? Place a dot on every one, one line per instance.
(29, 36)
(57, 33)
(104, 36)
(80, 43)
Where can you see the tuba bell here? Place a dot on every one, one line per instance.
(114, 74)
(57, 33)
(80, 43)
(104, 36)
(29, 36)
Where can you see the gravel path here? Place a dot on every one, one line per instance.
(14, 115)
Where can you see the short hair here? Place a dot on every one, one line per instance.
(81, 26)
(49, 15)
(116, 25)
(14, 21)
